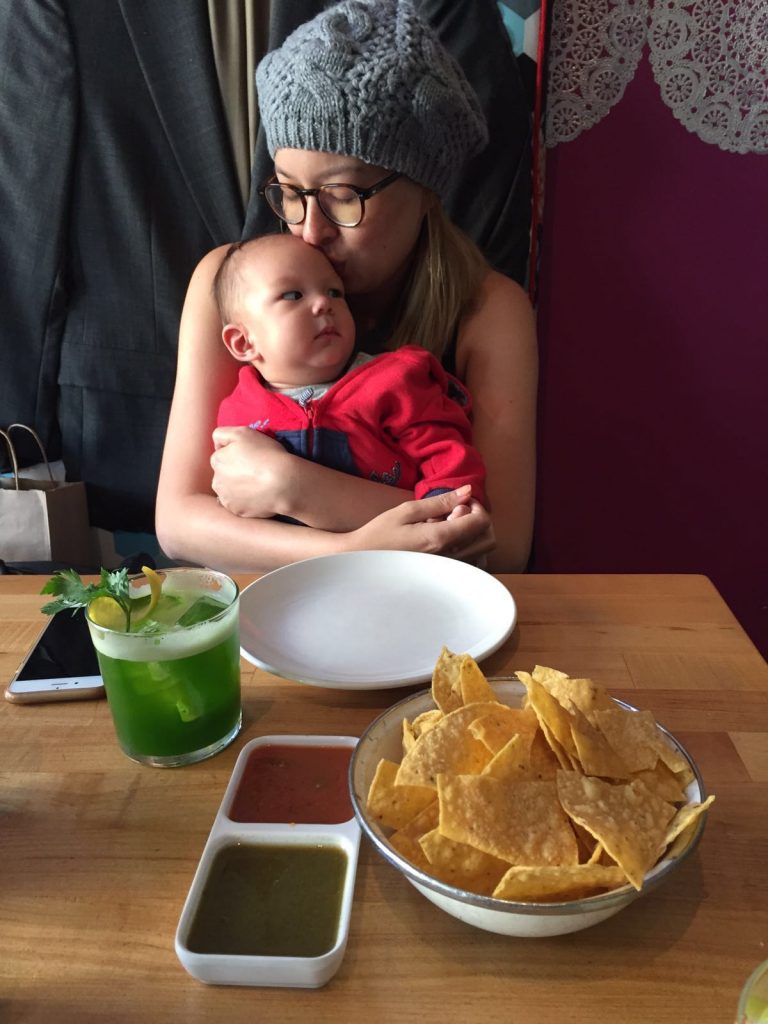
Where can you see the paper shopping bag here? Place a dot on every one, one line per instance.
(42, 520)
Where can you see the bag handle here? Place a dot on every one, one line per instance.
(12, 451)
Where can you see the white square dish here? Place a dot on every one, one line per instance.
(232, 913)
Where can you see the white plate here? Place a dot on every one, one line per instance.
(367, 620)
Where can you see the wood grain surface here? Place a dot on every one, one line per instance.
(98, 853)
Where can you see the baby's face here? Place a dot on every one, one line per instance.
(294, 310)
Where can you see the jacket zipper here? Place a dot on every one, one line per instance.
(310, 411)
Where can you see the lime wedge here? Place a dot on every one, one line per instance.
(105, 611)
(155, 588)
(756, 1009)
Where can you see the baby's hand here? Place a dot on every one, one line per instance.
(252, 472)
(459, 510)
(456, 513)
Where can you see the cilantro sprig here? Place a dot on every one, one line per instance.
(71, 593)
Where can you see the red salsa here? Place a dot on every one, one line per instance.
(302, 784)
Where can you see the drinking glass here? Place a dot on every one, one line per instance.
(753, 1005)
(173, 684)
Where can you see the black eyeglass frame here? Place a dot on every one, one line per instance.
(363, 194)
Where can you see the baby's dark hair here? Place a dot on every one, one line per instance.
(228, 280)
(226, 283)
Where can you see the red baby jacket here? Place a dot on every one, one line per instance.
(400, 419)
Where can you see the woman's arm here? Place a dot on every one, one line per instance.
(192, 525)
(254, 476)
(497, 359)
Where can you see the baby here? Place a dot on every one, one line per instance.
(397, 418)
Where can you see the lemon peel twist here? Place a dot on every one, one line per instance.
(112, 614)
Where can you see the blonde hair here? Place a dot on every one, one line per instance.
(448, 271)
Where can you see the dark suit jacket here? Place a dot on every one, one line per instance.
(116, 177)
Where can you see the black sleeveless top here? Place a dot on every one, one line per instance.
(374, 342)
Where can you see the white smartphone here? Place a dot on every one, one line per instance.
(62, 664)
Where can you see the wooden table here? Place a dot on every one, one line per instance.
(98, 852)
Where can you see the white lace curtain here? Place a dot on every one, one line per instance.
(709, 59)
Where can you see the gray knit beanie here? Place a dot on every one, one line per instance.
(371, 79)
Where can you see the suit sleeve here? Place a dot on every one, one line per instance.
(428, 415)
(38, 111)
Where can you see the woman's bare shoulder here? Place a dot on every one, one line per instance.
(502, 318)
(500, 293)
(202, 355)
(205, 271)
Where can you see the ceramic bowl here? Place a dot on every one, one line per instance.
(383, 738)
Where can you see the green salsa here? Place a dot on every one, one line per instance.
(270, 900)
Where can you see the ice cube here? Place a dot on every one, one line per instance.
(203, 609)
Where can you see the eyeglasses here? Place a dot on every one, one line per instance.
(342, 204)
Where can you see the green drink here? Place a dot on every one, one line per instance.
(173, 681)
(753, 1005)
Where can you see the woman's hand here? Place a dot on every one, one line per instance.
(254, 477)
(451, 524)
(252, 473)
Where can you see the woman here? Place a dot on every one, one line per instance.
(363, 95)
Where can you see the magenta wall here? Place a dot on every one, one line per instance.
(653, 324)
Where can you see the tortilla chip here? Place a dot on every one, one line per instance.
(421, 723)
(685, 776)
(522, 823)
(627, 819)
(641, 743)
(664, 783)
(634, 733)
(461, 865)
(409, 737)
(548, 676)
(681, 842)
(474, 686)
(672, 757)
(682, 820)
(554, 718)
(585, 694)
(406, 840)
(498, 727)
(512, 763)
(544, 762)
(565, 762)
(553, 884)
(391, 805)
(596, 854)
(596, 755)
(586, 843)
(446, 747)
(446, 682)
